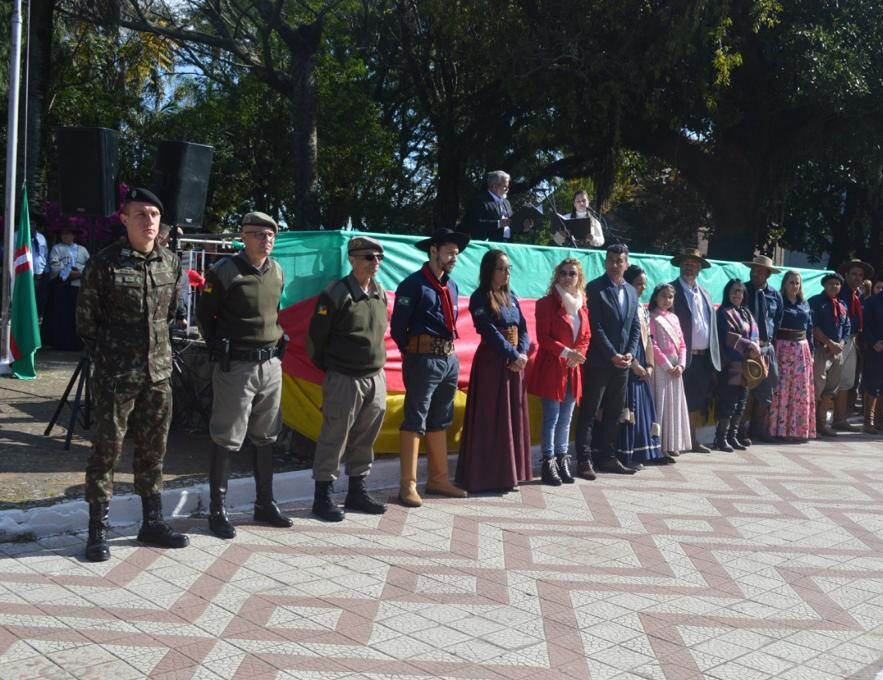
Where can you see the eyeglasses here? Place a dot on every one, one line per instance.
(373, 257)
(508, 268)
(260, 235)
(568, 274)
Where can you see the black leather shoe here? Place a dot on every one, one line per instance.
(97, 549)
(324, 506)
(564, 469)
(549, 473)
(357, 498)
(586, 471)
(614, 466)
(699, 448)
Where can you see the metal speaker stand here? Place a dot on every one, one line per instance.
(82, 378)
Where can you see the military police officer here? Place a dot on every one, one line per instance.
(128, 298)
(238, 315)
(346, 341)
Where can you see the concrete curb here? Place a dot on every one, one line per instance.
(125, 510)
(288, 487)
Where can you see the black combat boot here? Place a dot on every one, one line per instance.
(97, 549)
(357, 498)
(154, 531)
(564, 469)
(720, 436)
(218, 474)
(265, 508)
(324, 506)
(549, 472)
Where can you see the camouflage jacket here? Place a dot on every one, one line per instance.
(127, 301)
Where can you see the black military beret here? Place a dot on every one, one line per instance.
(144, 196)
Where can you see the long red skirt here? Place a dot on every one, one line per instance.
(495, 446)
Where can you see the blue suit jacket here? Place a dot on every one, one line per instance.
(614, 330)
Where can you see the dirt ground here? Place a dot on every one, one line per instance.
(37, 470)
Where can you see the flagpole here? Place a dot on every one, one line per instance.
(11, 183)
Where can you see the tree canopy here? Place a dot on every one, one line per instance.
(754, 123)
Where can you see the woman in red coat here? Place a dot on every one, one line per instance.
(562, 331)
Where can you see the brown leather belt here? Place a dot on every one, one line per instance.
(511, 334)
(791, 334)
(430, 344)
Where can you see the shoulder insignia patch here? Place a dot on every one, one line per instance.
(478, 312)
(207, 290)
(403, 300)
(321, 310)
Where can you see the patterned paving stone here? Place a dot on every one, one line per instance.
(765, 564)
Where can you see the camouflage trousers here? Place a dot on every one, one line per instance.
(114, 403)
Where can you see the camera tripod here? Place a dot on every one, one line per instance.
(83, 380)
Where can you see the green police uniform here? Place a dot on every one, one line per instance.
(127, 301)
(240, 303)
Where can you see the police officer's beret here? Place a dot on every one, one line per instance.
(260, 219)
(143, 195)
(363, 243)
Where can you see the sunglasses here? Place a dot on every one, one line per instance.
(373, 257)
(568, 274)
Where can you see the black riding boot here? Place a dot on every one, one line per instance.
(265, 508)
(734, 438)
(154, 531)
(218, 474)
(357, 498)
(97, 549)
(720, 436)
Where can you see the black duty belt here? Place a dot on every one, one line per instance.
(258, 355)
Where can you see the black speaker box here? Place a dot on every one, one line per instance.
(180, 179)
(87, 171)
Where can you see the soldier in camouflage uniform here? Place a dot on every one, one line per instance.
(127, 300)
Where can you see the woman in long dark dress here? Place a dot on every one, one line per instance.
(638, 439)
(495, 446)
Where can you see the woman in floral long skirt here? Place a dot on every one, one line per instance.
(793, 409)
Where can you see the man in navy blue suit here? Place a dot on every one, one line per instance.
(616, 331)
(487, 216)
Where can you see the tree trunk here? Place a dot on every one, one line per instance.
(304, 99)
(39, 68)
(446, 211)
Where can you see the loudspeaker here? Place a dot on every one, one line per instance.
(87, 171)
(180, 179)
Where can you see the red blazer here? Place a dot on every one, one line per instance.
(547, 378)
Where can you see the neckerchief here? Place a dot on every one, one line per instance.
(444, 296)
(837, 310)
(856, 310)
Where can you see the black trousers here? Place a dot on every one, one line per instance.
(603, 387)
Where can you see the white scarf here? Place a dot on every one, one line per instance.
(571, 303)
